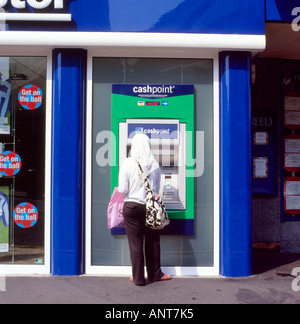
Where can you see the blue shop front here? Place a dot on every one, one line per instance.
(61, 142)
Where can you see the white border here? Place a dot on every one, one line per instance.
(126, 270)
(179, 43)
(35, 17)
(20, 269)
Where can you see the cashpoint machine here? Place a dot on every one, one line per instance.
(165, 113)
(167, 140)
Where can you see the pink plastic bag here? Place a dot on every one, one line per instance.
(115, 210)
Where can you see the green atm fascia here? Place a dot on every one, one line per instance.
(158, 110)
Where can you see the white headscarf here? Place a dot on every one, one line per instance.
(141, 152)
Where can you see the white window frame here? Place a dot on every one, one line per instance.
(32, 269)
(155, 53)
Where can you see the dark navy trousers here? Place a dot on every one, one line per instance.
(144, 244)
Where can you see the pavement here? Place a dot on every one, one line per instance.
(276, 280)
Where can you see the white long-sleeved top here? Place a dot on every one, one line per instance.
(129, 187)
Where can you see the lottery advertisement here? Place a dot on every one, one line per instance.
(10, 164)
(30, 97)
(25, 215)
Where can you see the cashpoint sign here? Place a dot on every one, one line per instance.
(153, 91)
(154, 131)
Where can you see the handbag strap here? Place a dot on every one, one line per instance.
(146, 181)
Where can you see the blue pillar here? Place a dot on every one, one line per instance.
(69, 84)
(235, 164)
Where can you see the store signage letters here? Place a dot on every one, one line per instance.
(296, 21)
(262, 121)
(36, 5)
(21, 4)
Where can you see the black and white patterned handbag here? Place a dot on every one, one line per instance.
(156, 213)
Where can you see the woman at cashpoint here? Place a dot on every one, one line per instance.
(131, 185)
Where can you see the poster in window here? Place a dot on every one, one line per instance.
(292, 144)
(10, 163)
(4, 219)
(261, 138)
(5, 91)
(260, 168)
(292, 119)
(292, 112)
(292, 153)
(292, 162)
(292, 103)
(30, 97)
(292, 195)
(25, 215)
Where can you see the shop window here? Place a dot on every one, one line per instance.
(194, 250)
(22, 159)
(291, 141)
